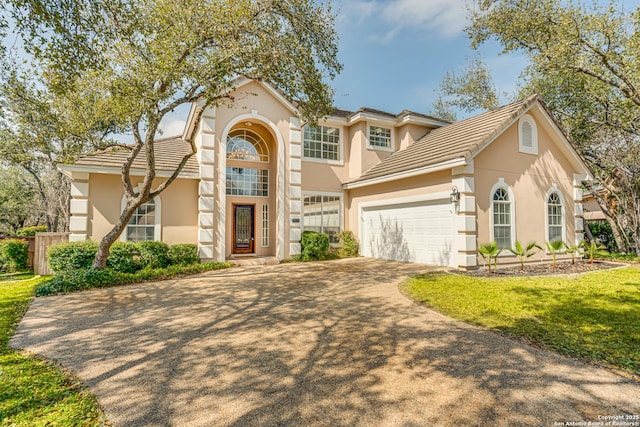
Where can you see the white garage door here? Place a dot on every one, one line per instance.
(414, 232)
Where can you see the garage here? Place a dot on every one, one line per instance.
(419, 232)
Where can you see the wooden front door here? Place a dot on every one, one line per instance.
(243, 229)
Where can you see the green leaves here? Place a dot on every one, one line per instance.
(523, 252)
(490, 252)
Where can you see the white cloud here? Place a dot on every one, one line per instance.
(171, 128)
(356, 12)
(446, 16)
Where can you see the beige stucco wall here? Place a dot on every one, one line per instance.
(409, 187)
(408, 134)
(179, 204)
(530, 178)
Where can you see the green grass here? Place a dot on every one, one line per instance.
(595, 316)
(34, 392)
(21, 275)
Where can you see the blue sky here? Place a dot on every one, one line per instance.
(396, 52)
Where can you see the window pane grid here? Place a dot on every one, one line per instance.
(321, 142)
(322, 215)
(141, 226)
(265, 226)
(502, 219)
(554, 217)
(380, 137)
(247, 182)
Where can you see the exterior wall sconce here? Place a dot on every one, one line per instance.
(455, 195)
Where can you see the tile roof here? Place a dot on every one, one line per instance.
(168, 152)
(459, 140)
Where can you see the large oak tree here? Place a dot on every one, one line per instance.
(584, 63)
(123, 65)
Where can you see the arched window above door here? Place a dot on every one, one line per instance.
(244, 144)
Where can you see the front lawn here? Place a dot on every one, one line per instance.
(595, 316)
(34, 392)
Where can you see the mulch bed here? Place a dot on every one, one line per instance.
(545, 269)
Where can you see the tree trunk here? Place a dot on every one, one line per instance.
(622, 247)
(100, 261)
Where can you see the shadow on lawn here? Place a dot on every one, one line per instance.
(305, 344)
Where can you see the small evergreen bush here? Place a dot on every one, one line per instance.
(91, 278)
(13, 255)
(315, 246)
(31, 231)
(349, 246)
(71, 255)
(183, 254)
(124, 257)
(153, 254)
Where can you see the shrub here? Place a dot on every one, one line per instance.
(153, 254)
(31, 231)
(124, 257)
(90, 278)
(315, 246)
(71, 255)
(13, 255)
(183, 254)
(349, 246)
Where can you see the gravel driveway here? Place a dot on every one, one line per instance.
(314, 344)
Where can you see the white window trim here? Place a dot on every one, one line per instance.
(534, 135)
(340, 161)
(554, 189)
(512, 212)
(392, 142)
(324, 193)
(157, 227)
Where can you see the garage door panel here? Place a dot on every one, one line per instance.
(421, 232)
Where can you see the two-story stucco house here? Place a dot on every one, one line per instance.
(410, 186)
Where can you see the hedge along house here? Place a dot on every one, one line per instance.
(410, 186)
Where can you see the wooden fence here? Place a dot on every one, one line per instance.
(42, 243)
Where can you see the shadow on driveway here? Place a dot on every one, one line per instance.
(322, 344)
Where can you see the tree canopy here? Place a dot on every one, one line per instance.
(110, 66)
(584, 63)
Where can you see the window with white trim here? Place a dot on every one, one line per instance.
(144, 224)
(265, 226)
(247, 182)
(502, 221)
(379, 137)
(321, 213)
(244, 144)
(554, 218)
(321, 142)
(527, 135)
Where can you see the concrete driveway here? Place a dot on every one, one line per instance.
(315, 344)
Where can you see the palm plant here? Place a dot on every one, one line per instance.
(524, 252)
(553, 248)
(592, 250)
(573, 250)
(490, 252)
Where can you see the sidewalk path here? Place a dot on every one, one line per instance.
(313, 344)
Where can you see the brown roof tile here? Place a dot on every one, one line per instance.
(458, 140)
(169, 153)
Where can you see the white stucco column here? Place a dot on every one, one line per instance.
(205, 142)
(79, 207)
(295, 185)
(465, 218)
(578, 208)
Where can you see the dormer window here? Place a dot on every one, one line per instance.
(380, 137)
(527, 135)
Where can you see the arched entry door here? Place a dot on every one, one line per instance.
(250, 190)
